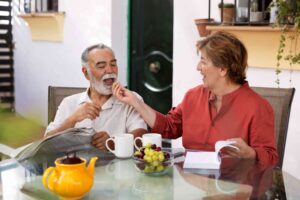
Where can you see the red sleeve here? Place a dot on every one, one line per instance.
(262, 135)
(170, 125)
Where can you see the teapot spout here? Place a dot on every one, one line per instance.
(91, 166)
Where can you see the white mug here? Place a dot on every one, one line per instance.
(152, 138)
(123, 145)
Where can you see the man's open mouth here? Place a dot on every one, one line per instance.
(109, 81)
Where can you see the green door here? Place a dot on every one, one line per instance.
(151, 49)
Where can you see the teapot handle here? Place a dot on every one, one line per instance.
(46, 175)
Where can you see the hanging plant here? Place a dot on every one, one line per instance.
(288, 20)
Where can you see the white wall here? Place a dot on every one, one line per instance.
(185, 75)
(39, 64)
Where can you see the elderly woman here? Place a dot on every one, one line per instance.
(223, 108)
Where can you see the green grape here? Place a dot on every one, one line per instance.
(154, 157)
(160, 168)
(137, 153)
(150, 152)
(148, 169)
(161, 157)
(155, 163)
(148, 145)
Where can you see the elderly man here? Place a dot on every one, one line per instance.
(97, 108)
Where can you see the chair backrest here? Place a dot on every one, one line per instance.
(56, 95)
(281, 102)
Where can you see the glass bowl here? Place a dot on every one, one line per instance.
(155, 168)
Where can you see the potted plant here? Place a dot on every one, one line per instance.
(201, 24)
(288, 21)
(228, 10)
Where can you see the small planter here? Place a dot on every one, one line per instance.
(201, 26)
(228, 12)
(228, 15)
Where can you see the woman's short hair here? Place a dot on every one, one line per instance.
(85, 53)
(226, 50)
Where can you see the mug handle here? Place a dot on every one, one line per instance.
(137, 138)
(106, 144)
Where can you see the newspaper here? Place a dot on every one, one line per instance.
(70, 140)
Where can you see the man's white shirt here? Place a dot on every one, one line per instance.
(115, 116)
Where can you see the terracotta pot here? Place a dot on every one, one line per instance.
(228, 15)
(201, 26)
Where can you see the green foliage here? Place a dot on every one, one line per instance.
(16, 131)
(288, 17)
(226, 5)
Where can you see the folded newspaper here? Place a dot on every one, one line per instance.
(70, 140)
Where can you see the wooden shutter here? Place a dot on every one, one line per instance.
(6, 56)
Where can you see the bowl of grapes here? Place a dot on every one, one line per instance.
(152, 160)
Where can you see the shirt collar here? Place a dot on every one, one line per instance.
(110, 102)
(236, 92)
(227, 97)
(84, 97)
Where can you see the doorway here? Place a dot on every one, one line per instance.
(151, 51)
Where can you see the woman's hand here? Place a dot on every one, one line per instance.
(244, 151)
(123, 94)
(126, 96)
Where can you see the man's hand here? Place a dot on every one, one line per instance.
(86, 111)
(99, 139)
(245, 151)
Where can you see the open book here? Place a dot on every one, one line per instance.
(70, 140)
(205, 159)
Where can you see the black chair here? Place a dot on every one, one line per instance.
(281, 102)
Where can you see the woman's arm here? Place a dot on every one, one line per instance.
(126, 96)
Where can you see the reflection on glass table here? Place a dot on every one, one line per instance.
(119, 179)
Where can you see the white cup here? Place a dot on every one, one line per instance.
(152, 138)
(123, 145)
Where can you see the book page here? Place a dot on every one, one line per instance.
(201, 160)
(206, 159)
(224, 143)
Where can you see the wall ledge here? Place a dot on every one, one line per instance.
(45, 26)
(262, 43)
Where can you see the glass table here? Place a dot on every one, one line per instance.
(119, 179)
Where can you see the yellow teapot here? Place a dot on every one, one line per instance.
(70, 181)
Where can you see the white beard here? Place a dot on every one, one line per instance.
(99, 85)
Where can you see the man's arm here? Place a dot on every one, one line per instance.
(68, 123)
(85, 111)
